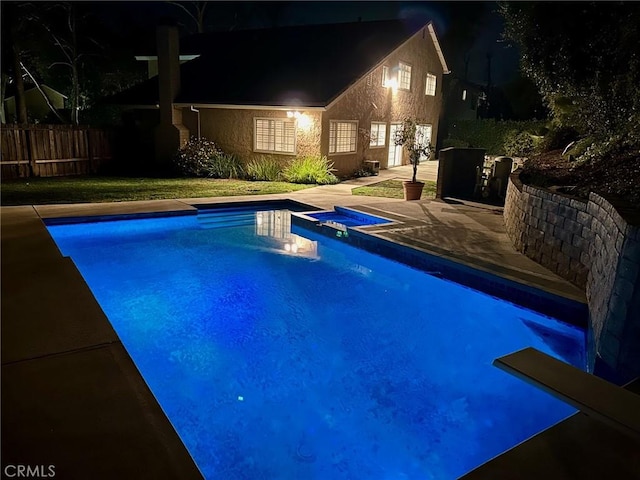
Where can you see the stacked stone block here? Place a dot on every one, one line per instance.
(596, 246)
(548, 228)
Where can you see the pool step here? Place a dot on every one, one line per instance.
(226, 219)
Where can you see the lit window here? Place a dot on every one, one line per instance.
(378, 134)
(342, 137)
(464, 95)
(385, 76)
(430, 88)
(404, 76)
(275, 135)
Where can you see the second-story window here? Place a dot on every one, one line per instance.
(404, 76)
(385, 76)
(430, 88)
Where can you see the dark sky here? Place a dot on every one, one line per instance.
(463, 27)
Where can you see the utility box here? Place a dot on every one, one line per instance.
(458, 171)
(374, 166)
(501, 170)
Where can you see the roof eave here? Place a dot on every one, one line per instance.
(183, 57)
(436, 43)
(231, 106)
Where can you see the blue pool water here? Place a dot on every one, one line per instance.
(347, 217)
(281, 356)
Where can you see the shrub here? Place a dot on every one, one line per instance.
(195, 157)
(558, 137)
(310, 169)
(202, 158)
(518, 144)
(225, 165)
(264, 168)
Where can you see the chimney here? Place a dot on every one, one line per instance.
(170, 133)
(168, 49)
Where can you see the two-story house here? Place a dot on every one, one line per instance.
(339, 90)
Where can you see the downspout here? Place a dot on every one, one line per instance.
(197, 110)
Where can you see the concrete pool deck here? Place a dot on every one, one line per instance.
(72, 397)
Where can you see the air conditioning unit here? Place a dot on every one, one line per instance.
(374, 165)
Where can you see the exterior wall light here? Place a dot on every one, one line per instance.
(393, 84)
(304, 121)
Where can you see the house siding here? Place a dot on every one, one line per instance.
(357, 102)
(233, 129)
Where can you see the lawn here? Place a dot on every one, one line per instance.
(37, 191)
(393, 189)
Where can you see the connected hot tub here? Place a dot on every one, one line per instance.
(346, 217)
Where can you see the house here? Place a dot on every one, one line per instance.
(463, 100)
(37, 107)
(338, 90)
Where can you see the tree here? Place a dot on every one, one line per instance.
(584, 59)
(12, 28)
(65, 25)
(195, 11)
(415, 141)
(69, 47)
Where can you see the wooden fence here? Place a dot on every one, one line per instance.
(52, 150)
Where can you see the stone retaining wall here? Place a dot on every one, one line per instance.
(594, 244)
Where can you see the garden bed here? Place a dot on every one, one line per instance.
(618, 176)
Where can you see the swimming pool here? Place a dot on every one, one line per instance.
(291, 355)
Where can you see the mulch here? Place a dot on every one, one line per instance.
(618, 176)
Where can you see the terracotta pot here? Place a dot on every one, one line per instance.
(412, 190)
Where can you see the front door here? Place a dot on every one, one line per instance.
(395, 151)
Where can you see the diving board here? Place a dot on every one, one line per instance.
(601, 400)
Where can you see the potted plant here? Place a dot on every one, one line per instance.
(416, 143)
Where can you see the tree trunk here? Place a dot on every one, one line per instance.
(75, 97)
(21, 103)
(12, 22)
(3, 89)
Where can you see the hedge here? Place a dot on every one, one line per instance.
(490, 134)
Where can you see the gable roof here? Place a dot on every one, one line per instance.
(11, 90)
(291, 66)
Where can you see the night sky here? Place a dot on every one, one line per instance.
(463, 27)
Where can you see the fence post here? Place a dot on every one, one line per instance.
(92, 168)
(33, 167)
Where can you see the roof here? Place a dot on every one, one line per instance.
(11, 90)
(290, 66)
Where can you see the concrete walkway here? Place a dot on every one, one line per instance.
(71, 395)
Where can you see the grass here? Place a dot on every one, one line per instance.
(37, 191)
(393, 189)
